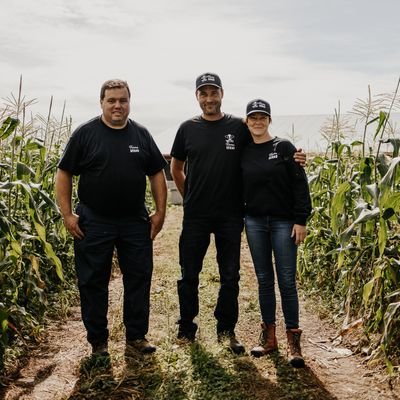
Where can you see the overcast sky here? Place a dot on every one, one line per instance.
(303, 56)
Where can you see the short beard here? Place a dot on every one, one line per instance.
(215, 110)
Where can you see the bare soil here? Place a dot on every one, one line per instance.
(54, 369)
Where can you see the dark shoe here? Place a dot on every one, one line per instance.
(294, 349)
(187, 331)
(184, 337)
(268, 342)
(233, 344)
(100, 349)
(141, 346)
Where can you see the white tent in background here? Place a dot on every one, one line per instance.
(303, 130)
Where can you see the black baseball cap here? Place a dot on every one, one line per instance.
(208, 79)
(258, 105)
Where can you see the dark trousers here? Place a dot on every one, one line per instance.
(93, 259)
(193, 244)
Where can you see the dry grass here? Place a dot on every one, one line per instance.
(204, 369)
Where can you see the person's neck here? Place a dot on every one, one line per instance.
(114, 126)
(262, 139)
(213, 117)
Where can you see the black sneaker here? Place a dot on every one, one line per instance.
(229, 339)
(100, 349)
(141, 346)
(187, 331)
(186, 337)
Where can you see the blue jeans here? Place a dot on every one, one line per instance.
(269, 236)
(193, 244)
(93, 258)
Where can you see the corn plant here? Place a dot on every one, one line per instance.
(352, 254)
(35, 250)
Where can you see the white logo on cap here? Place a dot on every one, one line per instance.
(207, 78)
(258, 104)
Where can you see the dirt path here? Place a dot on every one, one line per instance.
(54, 370)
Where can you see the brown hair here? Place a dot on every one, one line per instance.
(113, 84)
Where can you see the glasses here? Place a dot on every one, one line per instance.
(254, 118)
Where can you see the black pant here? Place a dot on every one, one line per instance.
(93, 259)
(193, 244)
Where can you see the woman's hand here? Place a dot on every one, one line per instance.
(299, 233)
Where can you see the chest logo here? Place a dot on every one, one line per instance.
(133, 149)
(272, 156)
(230, 142)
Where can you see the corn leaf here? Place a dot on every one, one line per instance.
(338, 204)
(387, 180)
(382, 236)
(31, 145)
(23, 169)
(365, 215)
(8, 127)
(382, 119)
(367, 290)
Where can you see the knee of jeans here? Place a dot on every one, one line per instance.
(288, 288)
(265, 279)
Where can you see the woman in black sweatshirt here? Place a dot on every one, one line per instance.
(277, 205)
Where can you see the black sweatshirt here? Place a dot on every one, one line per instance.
(274, 184)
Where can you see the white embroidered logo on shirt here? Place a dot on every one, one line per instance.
(230, 142)
(272, 156)
(133, 149)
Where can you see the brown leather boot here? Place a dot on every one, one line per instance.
(140, 345)
(294, 350)
(268, 342)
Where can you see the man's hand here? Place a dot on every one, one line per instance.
(71, 222)
(157, 222)
(299, 233)
(300, 157)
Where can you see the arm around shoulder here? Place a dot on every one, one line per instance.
(300, 157)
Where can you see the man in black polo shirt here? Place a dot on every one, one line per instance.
(113, 154)
(210, 145)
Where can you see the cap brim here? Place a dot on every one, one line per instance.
(208, 84)
(258, 111)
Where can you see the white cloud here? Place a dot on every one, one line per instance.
(303, 56)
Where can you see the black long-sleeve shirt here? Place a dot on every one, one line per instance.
(274, 184)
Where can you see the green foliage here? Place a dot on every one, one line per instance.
(35, 251)
(351, 257)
